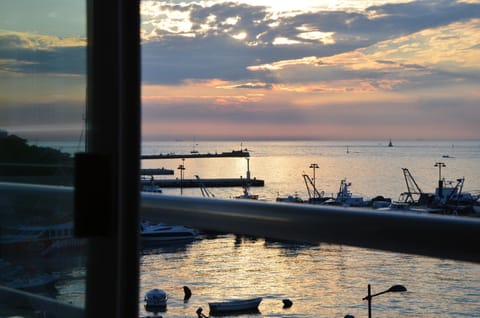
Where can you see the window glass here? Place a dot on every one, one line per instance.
(42, 111)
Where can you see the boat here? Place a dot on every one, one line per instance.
(157, 233)
(314, 196)
(396, 206)
(290, 199)
(245, 305)
(36, 281)
(246, 186)
(18, 277)
(152, 188)
(149, 185)
(345, 197)
(390, 143)
(37, 238)
(247, 195)
(156, 300)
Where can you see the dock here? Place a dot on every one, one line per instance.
(156, 172)
(209, 183)
(230, 154)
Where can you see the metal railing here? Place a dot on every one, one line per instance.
(430, 235)
(439, 236)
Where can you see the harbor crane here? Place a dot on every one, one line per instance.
(414, 195)
(313, 194)
(205, 192)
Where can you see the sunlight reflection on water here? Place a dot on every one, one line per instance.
(324, 280)
(321, 280)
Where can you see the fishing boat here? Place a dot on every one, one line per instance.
(157, 233)
(245, 305)
(156, 300)
(345, 197)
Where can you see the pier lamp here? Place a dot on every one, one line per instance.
(393, 289)
(440, 165)
(314, 166)
(182, 169)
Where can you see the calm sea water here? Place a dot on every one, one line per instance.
(322, 280)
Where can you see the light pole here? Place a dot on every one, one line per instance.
(182, 169)
(393, 289)
(314, 166)
(440, 165)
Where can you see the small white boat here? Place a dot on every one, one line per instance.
(151, 188)
(156, 299)
(396, 206)
(290, 198)
(245, 305)
(157, 233)
(247, 195)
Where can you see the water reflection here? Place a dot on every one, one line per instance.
(321, 280)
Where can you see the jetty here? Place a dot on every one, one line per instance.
(156, 172)
(227, 154)
(210, 183)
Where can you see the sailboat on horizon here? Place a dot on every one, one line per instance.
(390, 143)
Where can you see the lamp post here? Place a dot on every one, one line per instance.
(440, 165)
(393, 289)
(182, 169)
(314, 166)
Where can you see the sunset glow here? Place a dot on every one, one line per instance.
(249, 69)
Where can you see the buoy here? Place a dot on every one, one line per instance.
(188, 293)
(287, 303)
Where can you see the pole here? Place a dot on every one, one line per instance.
(314, 166)
(369, 298)
(181, 168)
(440, 182)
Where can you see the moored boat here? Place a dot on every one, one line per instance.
(157, 233)
(245, 305)
(38, 239)
(290, 199)
(156, 300)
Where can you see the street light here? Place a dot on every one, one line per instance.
(440, 165)
(393, 289)
(182, 169)
(314, 166)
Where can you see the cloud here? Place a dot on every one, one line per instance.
(35, 53)
(201, 41)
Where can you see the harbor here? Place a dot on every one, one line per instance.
(312, 178)
(323, 280)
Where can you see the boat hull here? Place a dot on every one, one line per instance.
(234, 306)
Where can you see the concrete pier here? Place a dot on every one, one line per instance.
(209, 183)
(231, 154)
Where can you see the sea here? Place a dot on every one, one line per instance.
(321, 280)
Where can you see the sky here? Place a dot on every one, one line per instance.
(253, 70)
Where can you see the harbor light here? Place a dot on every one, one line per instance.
(314, 166)
(440, 165)
(393, 289)
(182, 169)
